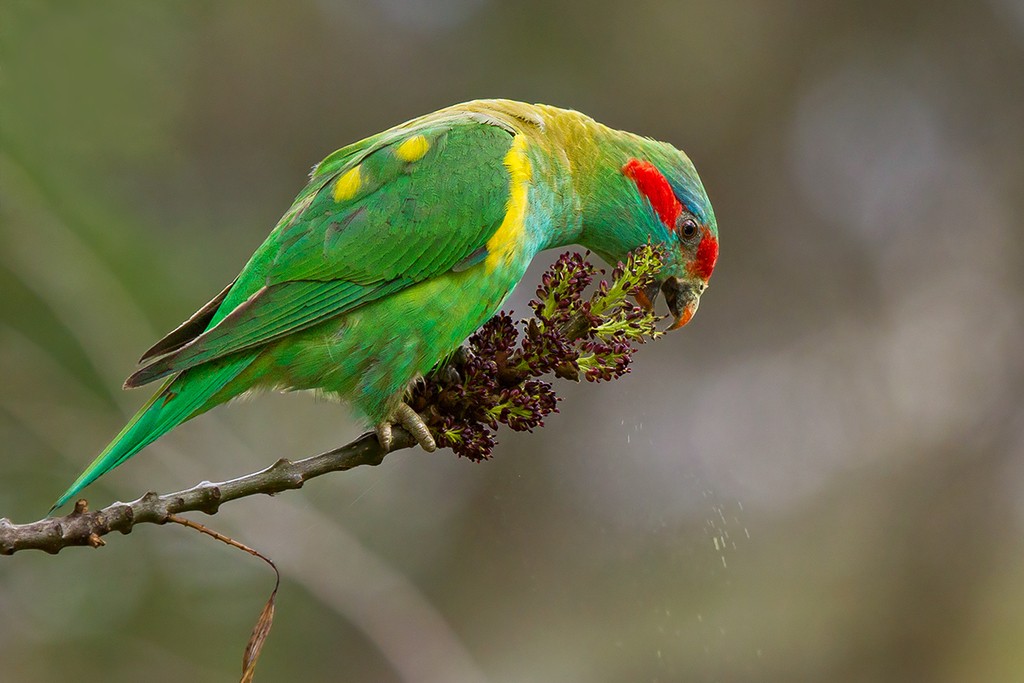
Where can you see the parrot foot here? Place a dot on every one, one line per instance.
(413, 423)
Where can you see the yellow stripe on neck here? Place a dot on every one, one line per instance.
(501, 248)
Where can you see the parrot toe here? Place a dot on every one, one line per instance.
(384, 435)
(412, 422)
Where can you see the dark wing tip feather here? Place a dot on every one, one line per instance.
(170, 343)
(150, 373)
(188, 330)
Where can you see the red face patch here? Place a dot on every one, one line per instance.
(707, 255)
(653, 185)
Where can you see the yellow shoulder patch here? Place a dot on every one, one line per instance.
(347, 185)
(502, 245)
(412, 149)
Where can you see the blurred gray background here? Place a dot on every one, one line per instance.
(819, 479)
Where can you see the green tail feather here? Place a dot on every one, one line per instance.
(178, 400)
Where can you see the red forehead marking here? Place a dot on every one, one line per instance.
(653, 185)
(707, 255)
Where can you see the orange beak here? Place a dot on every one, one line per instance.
(682, 298)
(685, 315)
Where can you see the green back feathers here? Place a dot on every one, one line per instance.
(375, 219)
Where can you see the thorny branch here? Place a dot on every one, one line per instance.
(494, 379)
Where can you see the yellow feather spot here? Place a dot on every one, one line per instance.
(412, 149)
(347, 185)
(502, 245)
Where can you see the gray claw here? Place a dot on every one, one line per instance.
(410, 419)
(384, 435)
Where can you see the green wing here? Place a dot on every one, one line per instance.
(378, 216)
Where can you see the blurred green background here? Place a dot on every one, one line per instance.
(820, 479)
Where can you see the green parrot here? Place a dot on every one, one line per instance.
(404, 243)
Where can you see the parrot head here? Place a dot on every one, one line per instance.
(656, 196)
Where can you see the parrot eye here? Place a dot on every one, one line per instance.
(688, 228)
